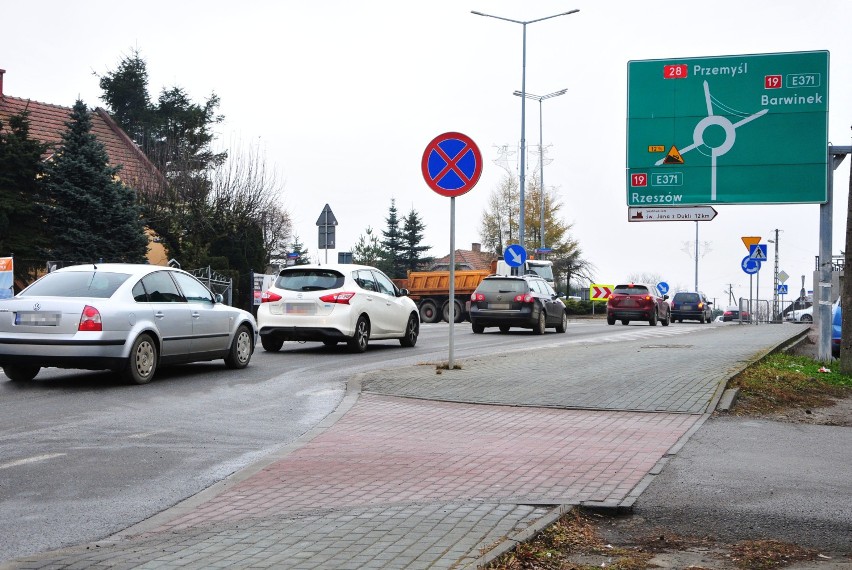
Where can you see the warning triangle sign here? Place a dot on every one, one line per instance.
(673, 157)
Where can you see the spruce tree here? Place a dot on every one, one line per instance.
(297, 247)
(22, 229)
(393, 260)
(92, 216)
(412, 237)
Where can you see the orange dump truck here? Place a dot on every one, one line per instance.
(431, 291)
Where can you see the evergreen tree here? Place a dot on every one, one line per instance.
(22, 229)
(91, 214)
(297, 247)
(412, 237)
(367, 250)
(126, 94)
(393, 260)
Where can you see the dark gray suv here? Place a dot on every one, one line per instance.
(507, 301)
(691, 306)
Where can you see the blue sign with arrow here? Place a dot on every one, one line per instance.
(663, 287)
(750, 265)
(515, 255)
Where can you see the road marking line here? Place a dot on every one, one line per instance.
(34, 459)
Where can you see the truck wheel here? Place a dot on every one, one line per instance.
(459, 316)
(428, 312)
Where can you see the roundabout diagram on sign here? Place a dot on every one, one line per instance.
(729, 128)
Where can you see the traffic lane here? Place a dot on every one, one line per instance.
(744, 478)
(84, 456)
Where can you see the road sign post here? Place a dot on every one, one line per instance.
(451, 166)
(742, 129)
(326, 224)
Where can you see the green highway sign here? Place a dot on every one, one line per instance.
(740, 129)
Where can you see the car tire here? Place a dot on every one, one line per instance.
(504, 328)
(241, 349)
(20, 373)
(667, 320)
(459, 312)
(653, 320)
(142, 362)
(563, 323)
(702, 320)
(625, 322)
(610, 320)
(429, 312)
(271, 343)
(412, 330)
(807, 319)
(541, 325)
(477, 328)
(361, 338)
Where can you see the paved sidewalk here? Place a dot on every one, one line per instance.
(426, 470)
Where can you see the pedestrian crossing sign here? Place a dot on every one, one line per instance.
(757, 252)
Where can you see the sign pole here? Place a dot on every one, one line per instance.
(696, 255)
(757, 300)
(452, 314)
(750, 297)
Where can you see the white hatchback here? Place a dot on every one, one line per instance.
(336, 303)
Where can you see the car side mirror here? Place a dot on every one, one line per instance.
(217, 298)
(665, 297)
(403, 292)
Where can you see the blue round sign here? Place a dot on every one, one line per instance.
(515, 255)
(451, 164)
(663, 287)
(749, 265)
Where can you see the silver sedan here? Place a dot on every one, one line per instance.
(130, 318)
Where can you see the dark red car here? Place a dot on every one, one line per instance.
(637, 302)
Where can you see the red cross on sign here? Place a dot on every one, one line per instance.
(599, 292)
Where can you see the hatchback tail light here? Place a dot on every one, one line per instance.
(341, 298)
(269, 297)
(90, 320)
(477, 297)
(524, 298)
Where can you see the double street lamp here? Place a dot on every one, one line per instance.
(523, 101)
(541, 98)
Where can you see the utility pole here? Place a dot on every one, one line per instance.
(775, 314)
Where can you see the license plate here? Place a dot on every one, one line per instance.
(628, 303)
(499, 306)
(34, 319)
(686, 307)
(300, 309)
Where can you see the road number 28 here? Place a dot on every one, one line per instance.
(675, 71)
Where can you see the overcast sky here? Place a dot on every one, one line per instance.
(344, 96)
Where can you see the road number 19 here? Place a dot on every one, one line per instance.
(639, 179)
(772, 82)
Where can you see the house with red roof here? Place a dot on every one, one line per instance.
(473, 258)
(47, 123)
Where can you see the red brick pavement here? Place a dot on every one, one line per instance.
(388, 450)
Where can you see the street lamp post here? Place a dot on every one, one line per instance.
(523, 100)
(541, 98)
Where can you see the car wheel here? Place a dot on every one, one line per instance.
(477, 328)
(610, 320)
(541, 325)
(20, 373)
(563, 323)
(271, 343)
(653, 320)
(412, 329)
(807, 319)
(241, 349)
(701, 320)
(359, 341)
(625, 321)
(429, 312)
(504, 328)
(142, 362)
(667, 320)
